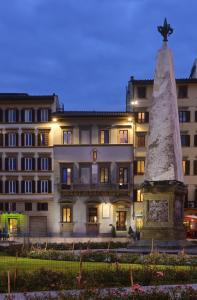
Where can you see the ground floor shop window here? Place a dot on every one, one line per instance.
(121, 220)
(92, 215)
(66, 214)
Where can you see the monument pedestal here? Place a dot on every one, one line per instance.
(163, 210)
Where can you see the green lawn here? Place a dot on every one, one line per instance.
(9, 263)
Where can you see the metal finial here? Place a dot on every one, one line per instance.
(165, 30)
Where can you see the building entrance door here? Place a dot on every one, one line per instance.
(121, 217)
(12, 225)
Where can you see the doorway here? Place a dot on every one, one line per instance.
(12, 225)
(121, 217)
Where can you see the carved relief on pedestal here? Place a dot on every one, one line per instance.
(157, 211)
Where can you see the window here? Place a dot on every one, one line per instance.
(142, 117)
(185, 140)
(44, 163)
(186, 167)
(182, 91)
(1, 206)
(92, 215)
(11, 115)
(85, 136)
(27, 163)
(42, 206)
(11, 163)
(66, 214)
(67, 137)
(139, 167)
(28, 115)
(12, 186)
(43, 186)
(141, 139)
(12, 139)
(28, 139)
(104, 175)
(123, 177)
(141, 92)
(184, 116)
(195, 167)
(43, 138)
(44, 115)
(85, 175)
(28, 186)
(66, 176)
(139, 196)
(28, 206)
(123, 136)
(104, 136)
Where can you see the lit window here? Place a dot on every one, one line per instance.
(43, 138)
(186, 167)
(67, 137)
(92, 215)
(123, 134)
(142, 117)
(141, 139)
(66, 214)
(66, 176)
(104, 175)
(123, 177)
(139, 196)
(140, 167)
(104, 136)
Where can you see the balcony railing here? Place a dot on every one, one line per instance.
(94, 187)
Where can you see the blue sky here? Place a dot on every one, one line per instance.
(86, 50)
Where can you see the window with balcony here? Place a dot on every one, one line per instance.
(185, 140)
(11, 163)
(42, 206)
(66, 177)
(141, 139)
(184, 116)
(43, 138)
(143, 117)
(123, 136)
(67, 137)
(92, 215)
(104, 174)
(11, 115)
(28, 206)
(139, 167)
(182, 91)
(104, 136)
(186, 167)
(141, 92)
(123, 177)
(66, 215)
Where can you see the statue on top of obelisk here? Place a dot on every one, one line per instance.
(164, 154)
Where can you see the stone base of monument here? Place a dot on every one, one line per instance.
(163, 210)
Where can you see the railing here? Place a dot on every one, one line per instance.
(93, 187)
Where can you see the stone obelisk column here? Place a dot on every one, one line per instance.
(163, 188)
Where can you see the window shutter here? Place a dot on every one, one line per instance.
(6, 164)
(38, 186)
(17, 115)
(188, 140)
(22, 115)
(22, 186)
(49, 186)
(49, 114)
(134, 195)
(6, 139)
(0, 163)
(195, 116)
(188, 116)
(146, 116)
(6, 186)
(195, 167)
(49, 164)
(1, 186)
(195, 140)
(1, 139)
(38, 115)
(1, 115)
(39, 163)
(33, 186)
(39, 139)
(16, 139)
(22, 139)
(187, 167)
(17, 183)
(6, 115)
(33, 115)
(135, 167)
(33, 163)
(33, 139)
(22, 163)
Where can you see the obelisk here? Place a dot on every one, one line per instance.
(163, 189)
